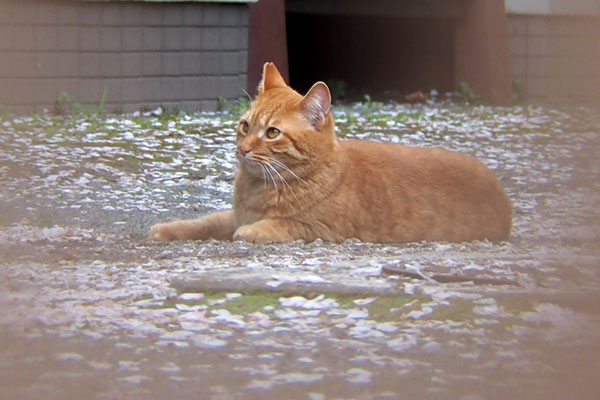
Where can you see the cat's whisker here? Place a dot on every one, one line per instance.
(267, 166)
(286, 168)
(267, 175)
(281, 165)
(270, 174)
(247, 94)
(282, 179)
(262, 169)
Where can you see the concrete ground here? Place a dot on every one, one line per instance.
(90, 308)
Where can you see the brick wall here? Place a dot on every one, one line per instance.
(556, 56)
(143, 54)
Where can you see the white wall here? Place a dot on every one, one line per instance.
(554, 7)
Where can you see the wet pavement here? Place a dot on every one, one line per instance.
(92, 309)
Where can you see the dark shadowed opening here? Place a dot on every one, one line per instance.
(382, 56)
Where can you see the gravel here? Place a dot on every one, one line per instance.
(93, 309)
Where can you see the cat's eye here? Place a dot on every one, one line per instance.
(244, 127)
(272, 133)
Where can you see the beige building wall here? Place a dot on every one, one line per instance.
(554, 47)
(137, 55)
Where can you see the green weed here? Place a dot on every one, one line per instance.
(68, 105)
(100, 110)
(518, 91)
(222, 104)
(171, 113)
(466, 93)
(370, 105)
(337, 87)
(248, 303)
(239, 107)
(384, 308)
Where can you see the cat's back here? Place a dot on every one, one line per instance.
(423, 164)
(439, 194)
(427, 165)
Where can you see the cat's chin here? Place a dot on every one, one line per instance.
(250, 167)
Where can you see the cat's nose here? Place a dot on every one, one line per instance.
(244, 149)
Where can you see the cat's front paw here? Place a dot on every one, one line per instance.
(162, 232)
(253, 234)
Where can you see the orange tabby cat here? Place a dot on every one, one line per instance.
(297, 180)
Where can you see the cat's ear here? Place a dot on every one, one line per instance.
(316, 104)
(271, 78)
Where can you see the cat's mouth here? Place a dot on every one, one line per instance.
(271, 170)
(249, 161)
(259, 162)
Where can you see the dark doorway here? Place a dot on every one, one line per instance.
(382, 56)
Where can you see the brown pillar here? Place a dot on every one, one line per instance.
(481, 52)
(267, 40)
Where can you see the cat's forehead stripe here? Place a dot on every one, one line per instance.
(263, 118)
(263, 113)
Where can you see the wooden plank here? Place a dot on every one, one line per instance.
(267, 40)
(481, 50)
(213, 283)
